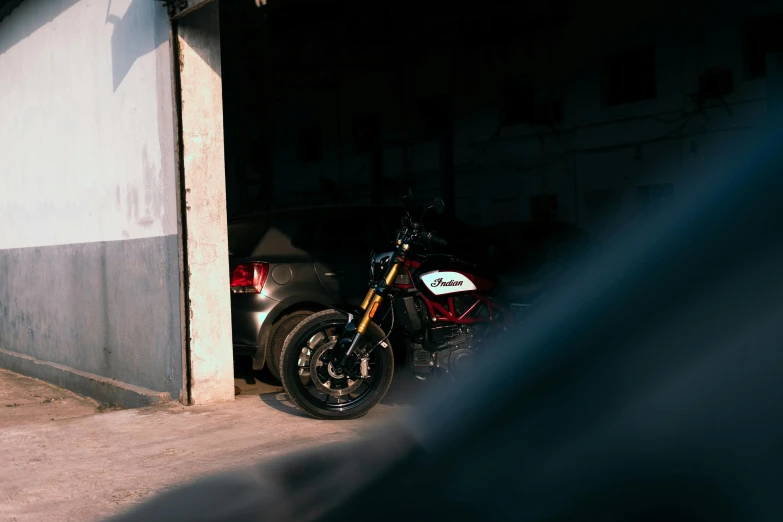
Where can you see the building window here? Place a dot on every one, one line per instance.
(310, 144)
(505, 210)
(629, 76)
(547, 114)
(436, 113)
(366, 132)
(518, 98)
(761, 37)
(543, 207)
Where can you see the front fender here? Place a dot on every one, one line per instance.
(357, 313)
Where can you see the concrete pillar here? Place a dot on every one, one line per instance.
(207, 295)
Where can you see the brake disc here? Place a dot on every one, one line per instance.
(325, 376)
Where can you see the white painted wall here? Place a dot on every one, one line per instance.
(86, 128)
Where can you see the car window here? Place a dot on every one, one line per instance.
(306, 237)
(269, 237)
(342, 234)
(244, 236)
(279, 239)
(342, 231)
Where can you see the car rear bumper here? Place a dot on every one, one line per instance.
(248, 314)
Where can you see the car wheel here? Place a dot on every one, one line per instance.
(277, 337)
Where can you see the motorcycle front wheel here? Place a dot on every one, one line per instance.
(314, 385)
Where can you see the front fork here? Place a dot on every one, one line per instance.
(370, 305)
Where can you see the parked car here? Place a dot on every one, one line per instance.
(288, 264)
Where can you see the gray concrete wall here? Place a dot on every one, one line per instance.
(89, 269)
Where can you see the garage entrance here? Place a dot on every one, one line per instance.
(290, 103)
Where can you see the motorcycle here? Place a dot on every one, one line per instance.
(338, 363)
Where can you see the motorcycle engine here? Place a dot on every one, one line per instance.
(446, 348)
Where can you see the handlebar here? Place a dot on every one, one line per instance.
(412, 232)
(432, 239)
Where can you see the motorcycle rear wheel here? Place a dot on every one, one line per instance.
(312, 383)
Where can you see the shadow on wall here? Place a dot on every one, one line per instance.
(131, 38)
(137, 32)
(22, 27)
(201, 31)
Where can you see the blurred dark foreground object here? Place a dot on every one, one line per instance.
(647, 389)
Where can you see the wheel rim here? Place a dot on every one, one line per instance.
(320, 384)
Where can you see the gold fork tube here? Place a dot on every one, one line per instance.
(367, 298)
(373, 300)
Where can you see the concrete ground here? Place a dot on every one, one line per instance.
(64, 459)
(29, 401)
(251, 382)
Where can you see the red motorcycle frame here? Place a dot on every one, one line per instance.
(448, 314)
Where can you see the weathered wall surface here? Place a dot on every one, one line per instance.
(89, 270)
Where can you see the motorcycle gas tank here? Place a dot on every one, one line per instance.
(447, 275)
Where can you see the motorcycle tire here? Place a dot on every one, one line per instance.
(300, 389)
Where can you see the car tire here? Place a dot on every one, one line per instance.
(277, 336)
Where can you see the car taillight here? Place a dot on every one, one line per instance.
(249, 278)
